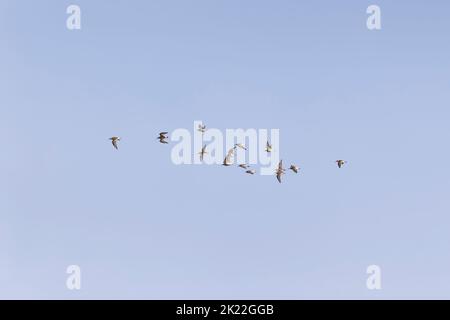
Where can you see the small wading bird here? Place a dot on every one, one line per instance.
(227, 160)
(280, 171)
(240, 145)
(114, 141)
(162, 137)
(340, 163)
(202, 128)
(203, 152)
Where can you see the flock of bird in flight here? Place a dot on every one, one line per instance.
(163, 136)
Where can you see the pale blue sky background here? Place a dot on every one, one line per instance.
(140, 227)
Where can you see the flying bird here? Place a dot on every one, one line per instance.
(162, 137)
(280, 171)
(203, 152)
(240, 145)
(268, 147)
(294, 168)
(114, 141)
(250, 171)
(340, 163)
(227, 160)
(202, 128)
(243, 166)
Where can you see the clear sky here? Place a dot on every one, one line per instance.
(141, 227)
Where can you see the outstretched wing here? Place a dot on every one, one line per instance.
(202, 152)
(227, 159)
(230, 153)
(279, 173)
(114, 143)
(280, 165)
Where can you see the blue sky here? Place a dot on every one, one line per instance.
(141, 227)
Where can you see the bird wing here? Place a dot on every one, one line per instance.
(229, 155)
(279, 176)
(280, 165)
(114, 143)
